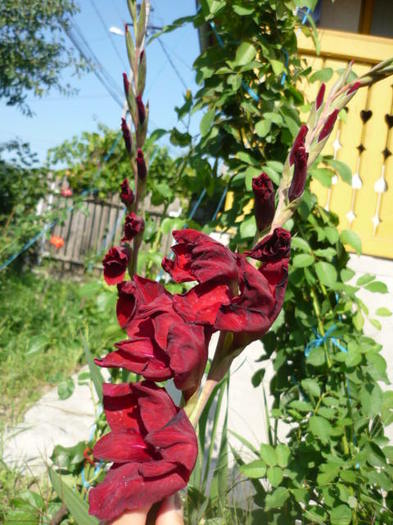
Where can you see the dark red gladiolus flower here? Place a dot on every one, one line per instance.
(233, 295)
(115, 264)
(320, 96)
(273, 247)
(161, 343)
(152, 445)
(264, 207)
(132, 226)
(200, 258)
(329, 124)
(299, 178)
(141, 109)
(141, 164)
(126, 194)
(253, 311)
(299, 142)
(126, 135)
(135, 294)
(126, 84)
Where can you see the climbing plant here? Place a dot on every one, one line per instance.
(336, 465)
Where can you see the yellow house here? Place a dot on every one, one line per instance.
(361, 31)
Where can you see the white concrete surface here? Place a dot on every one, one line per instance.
(49, 422)
(52, 421)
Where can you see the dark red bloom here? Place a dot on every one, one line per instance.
(200, 258)
(264, 207)
(320, 96)
(126, 194)
(233, 295)
(126, 84)
(161, 343)
(126, 135)
(132, 226)
(299, 142)
(135, 294)
(152, 445)
(141, 109)
(141, 164)
(299, 178)
(273, 247)
(115, 264)
(329, 124)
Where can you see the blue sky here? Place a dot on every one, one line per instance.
(58, 118)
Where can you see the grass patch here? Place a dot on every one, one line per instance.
(42, 321)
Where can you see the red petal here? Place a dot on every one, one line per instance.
(156, 408)
(122, 447)
(124, 488)
(120, 407)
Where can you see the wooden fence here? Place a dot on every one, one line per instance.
(89, 230)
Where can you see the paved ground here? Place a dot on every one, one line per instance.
(52, 421)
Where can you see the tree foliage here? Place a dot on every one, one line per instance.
(33, 51)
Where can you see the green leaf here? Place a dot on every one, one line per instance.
(277, 499)
(322, 175)
(322, 75)
(248, 228)
(69, 458)
(341, 515)
(311, 387)
(365, 279)
(300, 244)
(342, 169)
(302, 260)
(371, 399)
(275, 476)
(95, 372)
(283, 454)
(377, 287)
(255, 469)
(77, 507)
(353, 239)
(206, 122)
(178, 138)
(262, 127)
(268, 454)
(316, 357)
(277, 66)
(383, 312)
(242, 10)
(245, 53)
(66, 388)
(320, 427)
(346, 274)
(326, 273)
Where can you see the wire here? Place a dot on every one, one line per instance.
(172, 64)
(108, 34)
(77, 45)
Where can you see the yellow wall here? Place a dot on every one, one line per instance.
(367, 205)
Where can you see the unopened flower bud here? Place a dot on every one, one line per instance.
(141, 164)
(126, 193)
(141, 109)
(126, 135)
(329, 124)
(264, 207)
(132, 226)
(126, 84)
(299, 141)
(298, 182)
(354, 88)
(320, 96)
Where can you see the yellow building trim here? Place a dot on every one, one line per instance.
(347, 46)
